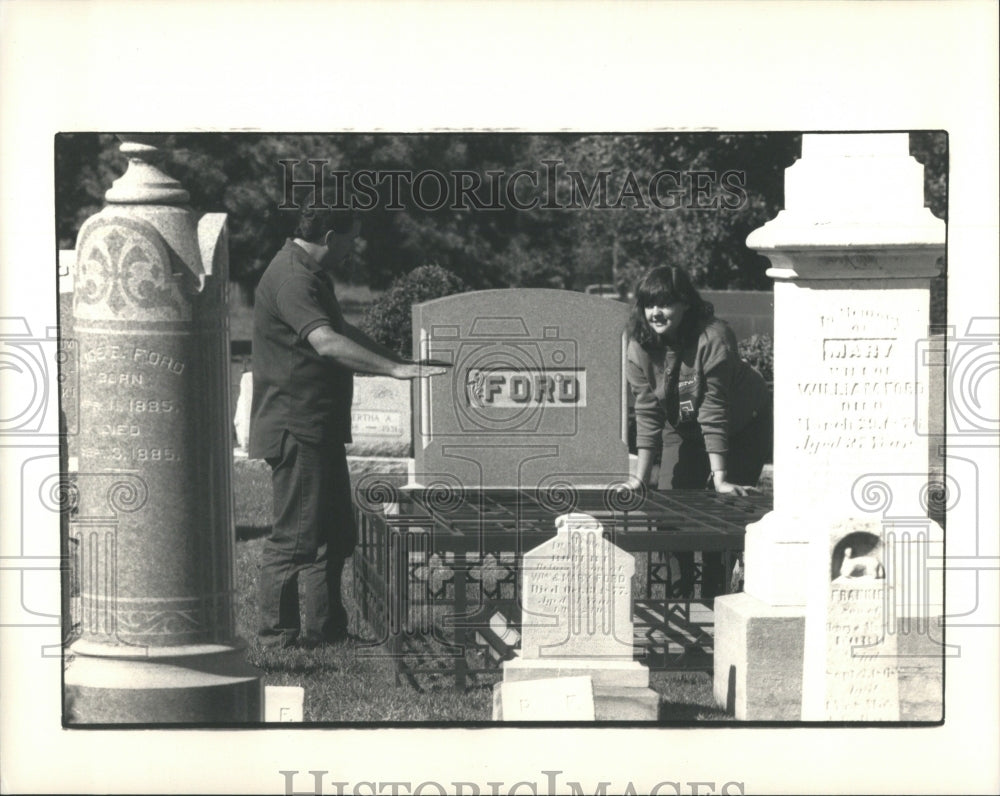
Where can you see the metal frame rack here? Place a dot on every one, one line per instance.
(436, 569)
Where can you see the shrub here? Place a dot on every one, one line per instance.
(389, 321)
(758, 350)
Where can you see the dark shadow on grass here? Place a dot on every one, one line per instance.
(687, 712)
(445, 683)
(295, 667)
(291, 660)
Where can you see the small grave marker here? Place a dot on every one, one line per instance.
(851, 664)
(576, 597)
(551, 699)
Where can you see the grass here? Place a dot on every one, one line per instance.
(350, 683)
(356, 684)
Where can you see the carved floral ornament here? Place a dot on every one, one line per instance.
(124, 270)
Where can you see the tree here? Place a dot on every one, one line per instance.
(603, 208)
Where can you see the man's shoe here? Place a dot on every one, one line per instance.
(277, 641)
(313, 640)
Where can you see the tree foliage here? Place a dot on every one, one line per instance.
(566, 240)
(389, 320)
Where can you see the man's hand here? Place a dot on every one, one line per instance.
(420, 370)
(358, 352)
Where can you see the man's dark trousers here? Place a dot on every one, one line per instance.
(312, 535)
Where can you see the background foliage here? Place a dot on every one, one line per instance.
(240, 174)
(758, 350)
(389, 320)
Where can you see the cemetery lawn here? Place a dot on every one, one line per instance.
(343, 685)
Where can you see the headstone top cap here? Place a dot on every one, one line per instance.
(144, 183)
(855, 144)
(577, 521)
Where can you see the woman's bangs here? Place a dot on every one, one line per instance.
(656, 296)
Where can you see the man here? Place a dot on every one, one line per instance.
(305, 356)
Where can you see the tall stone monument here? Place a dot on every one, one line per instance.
(852, 256)
(150, 317)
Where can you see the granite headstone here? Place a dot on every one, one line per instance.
(536, 395)
(381, 417)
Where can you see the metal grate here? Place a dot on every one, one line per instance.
(437, 569)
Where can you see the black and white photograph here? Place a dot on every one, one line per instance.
(419, 424)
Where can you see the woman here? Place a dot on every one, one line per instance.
(708, 409)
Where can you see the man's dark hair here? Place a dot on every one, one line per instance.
(314, 223)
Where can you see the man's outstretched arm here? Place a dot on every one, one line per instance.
(352, 332)
(358, 352)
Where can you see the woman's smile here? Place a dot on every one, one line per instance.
(665, 320)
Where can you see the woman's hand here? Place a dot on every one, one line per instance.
(635, 483)
(727, 488)
(644, 470)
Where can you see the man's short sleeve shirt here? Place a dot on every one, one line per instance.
(294, 388)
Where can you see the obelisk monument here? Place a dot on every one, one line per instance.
(155, 527)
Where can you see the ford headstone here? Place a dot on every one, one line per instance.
(536, 396)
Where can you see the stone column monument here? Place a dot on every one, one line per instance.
(852, 256)
(158, 641)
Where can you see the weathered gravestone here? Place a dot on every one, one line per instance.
(155, 529)
(852, 257)
(850, 663)
(381, 417)
(576, 602)
(551, 699)
(537, 393)
(241, 418)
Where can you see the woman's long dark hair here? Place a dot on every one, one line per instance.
(660, 287)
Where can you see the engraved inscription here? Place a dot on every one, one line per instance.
(507, 388)
(860, 398)
(576, 593)
(376, 424)
(861, 676)
(139, 403)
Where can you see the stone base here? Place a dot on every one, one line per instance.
(775, 555)
(611, 703)
(921, 673)
(396, 470)
(210, 683)
(611, 673)
(758, 658)
(759, 652)
(625, 704)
